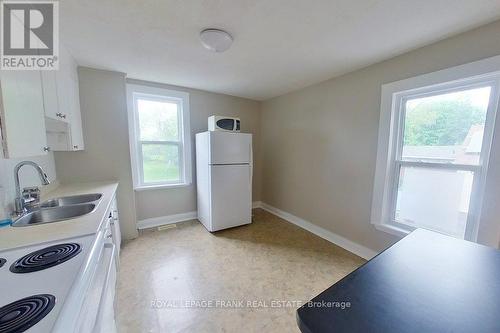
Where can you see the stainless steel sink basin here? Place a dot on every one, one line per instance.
(71, 200)
(55, 214)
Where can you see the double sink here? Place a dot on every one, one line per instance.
(59, 209)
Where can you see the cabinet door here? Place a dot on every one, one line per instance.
(50, 99)
(69, 98)
(23, 120)
(76, 131)
(115, 226)
(63, 88)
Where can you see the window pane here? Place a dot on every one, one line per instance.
(434, 199)
(160, 163)
(446, 128)
(157, 120)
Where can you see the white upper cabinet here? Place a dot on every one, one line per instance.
(76, 130)
(40, 110)
(50, 96)
(22, 114)
(75, 117)
(62, 103)
(63, 84)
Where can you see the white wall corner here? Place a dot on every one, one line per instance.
(162, 220)
(344, 243)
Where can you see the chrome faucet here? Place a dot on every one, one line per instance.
(20, 203)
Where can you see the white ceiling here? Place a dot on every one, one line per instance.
(279, 45)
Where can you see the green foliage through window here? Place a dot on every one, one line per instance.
(441, 122)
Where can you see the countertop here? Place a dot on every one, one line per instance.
(426, 282)
(13, 237)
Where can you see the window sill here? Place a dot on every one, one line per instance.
(159, 187)
(392, 229)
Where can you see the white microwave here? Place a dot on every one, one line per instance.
(221, 123)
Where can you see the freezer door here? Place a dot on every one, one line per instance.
(231, 196)
(230, 148)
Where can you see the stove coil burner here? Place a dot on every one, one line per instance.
(45, 258)
(2, 262)
(22, 314)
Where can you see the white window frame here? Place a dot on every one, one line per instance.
(390, 140)
(135, 91)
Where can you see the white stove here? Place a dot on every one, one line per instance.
(36, 281)
(64, 286)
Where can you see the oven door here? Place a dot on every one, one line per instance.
(106, 312)
(97, 313)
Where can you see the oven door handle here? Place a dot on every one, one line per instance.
(102, 301)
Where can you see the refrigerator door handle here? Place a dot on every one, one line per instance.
(250, 149)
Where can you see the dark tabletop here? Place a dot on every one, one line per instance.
(426, 282)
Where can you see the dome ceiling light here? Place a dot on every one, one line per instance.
(216, 40)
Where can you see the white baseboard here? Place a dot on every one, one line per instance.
(350, 246)
(170, 219)
(257, 204)
(162, 220)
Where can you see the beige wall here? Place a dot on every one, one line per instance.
(106, 155)
(162, 202)
(320, 143)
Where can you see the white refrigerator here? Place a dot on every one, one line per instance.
(224, 179)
